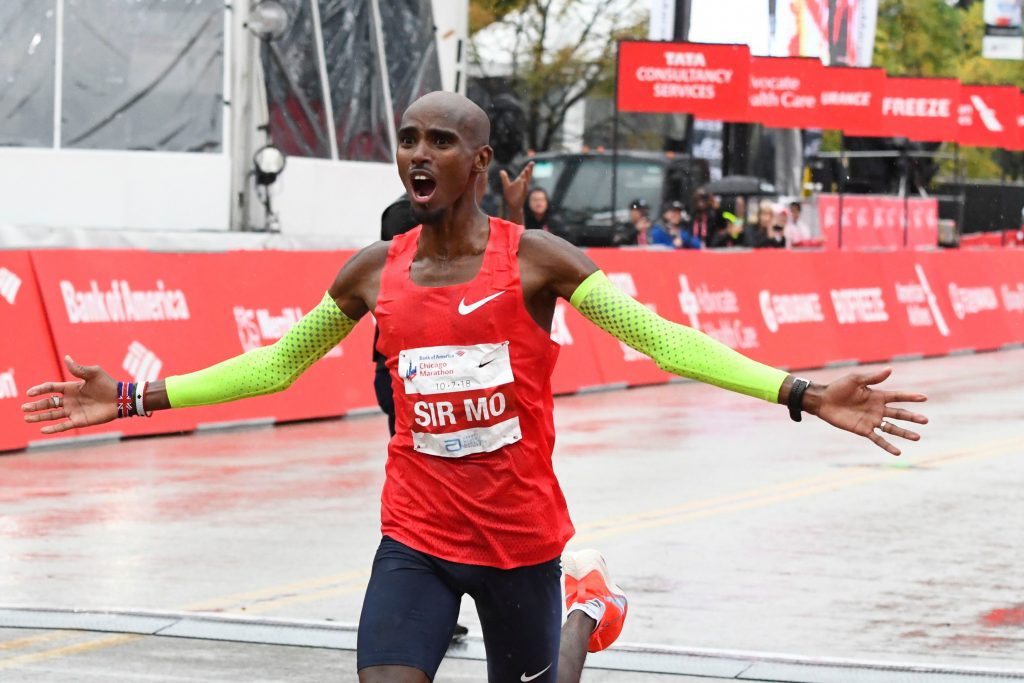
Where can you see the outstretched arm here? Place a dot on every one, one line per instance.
(92, 398)
(848, 403)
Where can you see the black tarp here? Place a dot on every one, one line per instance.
(27, 66)
(291, 70)
(413, 68)
(353, 75)
(144, 74)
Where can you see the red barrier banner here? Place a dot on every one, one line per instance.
(851, 100)
(709, 81)
(832, 307)
(26, 356)
(988, 116)
(144, 315)
(953, 300)
(873, 222)
(782, 321)
(577, 366)
(923, 109)
(785, 92)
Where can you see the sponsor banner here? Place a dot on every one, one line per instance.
(709, 81)
(577, 365)
(851, 99)
(779, 321)
(141, 315)
(144, 315)
(785, 92)
(863, 307)
(923, 109)
(984, 297)
(952, 300)
(874, 222)
(988, 116)
(26, 353)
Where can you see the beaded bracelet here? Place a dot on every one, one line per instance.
(131, 399)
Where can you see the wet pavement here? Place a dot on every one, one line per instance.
(735, 532)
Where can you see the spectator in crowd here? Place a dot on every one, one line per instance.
(673, 231)
(732, 236)
(740, 208)
(796, 229)
(638, 230)
(706, 219)
(538, 213)
(769, 232)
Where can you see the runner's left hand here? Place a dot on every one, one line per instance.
(851, 404)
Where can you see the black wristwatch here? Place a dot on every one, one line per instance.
(796, 398)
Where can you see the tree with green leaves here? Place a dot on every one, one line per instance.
(936, 38)
(555, 52)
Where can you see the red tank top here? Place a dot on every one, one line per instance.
(469, 476)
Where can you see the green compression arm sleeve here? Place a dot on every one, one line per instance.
(675, 348)
(267, 369)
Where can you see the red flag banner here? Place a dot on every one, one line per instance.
(987, 116)
(851, 100)
(709, 81)
(785, 92)
(923, 109)
(874, 222)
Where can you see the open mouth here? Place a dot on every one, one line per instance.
(423, 186)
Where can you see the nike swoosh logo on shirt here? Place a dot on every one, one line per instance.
(526, 678)
(466, 310)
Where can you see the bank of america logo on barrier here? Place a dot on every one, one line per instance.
(141, 363)
(9, 285)
(8, 389)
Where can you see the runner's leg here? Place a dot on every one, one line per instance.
(596, 611)
(572, 651)
(520, 613)
(407, 619)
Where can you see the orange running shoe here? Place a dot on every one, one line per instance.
(587, 581)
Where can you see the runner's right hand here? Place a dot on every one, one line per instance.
(91, 400)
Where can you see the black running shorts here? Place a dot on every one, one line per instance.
(413, 600)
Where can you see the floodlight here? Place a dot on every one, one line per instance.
(268, 20)
(268, 161)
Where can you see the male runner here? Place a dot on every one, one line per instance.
(470, 502)
(398, 219)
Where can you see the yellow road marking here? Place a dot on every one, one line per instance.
(307, 597)
(34, 657)
(707, 502)
(228, 601)
(784, 491)
(29, 641)
(846, 479)
(736, 507)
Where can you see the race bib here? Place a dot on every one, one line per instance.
(460, 398)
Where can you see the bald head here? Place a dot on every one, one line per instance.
(456, 111)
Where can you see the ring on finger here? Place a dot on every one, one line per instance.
(56, 401)
(885, 426)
